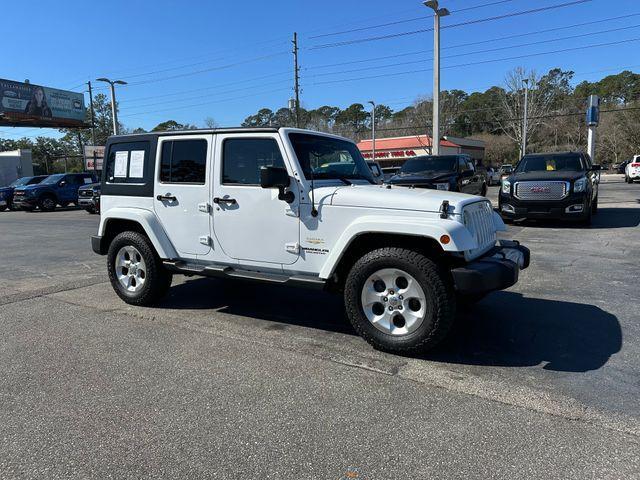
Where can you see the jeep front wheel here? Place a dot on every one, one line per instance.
(399, 300)
(135, 271)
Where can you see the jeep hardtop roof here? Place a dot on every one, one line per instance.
(200, 131)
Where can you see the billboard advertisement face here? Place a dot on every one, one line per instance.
(26, 104)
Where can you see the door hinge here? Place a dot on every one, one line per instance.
(205, 240)
(292, 247)
(204, 207)
(291, 211)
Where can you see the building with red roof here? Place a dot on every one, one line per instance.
(393, 151)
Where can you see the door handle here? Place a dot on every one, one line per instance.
(167, 197)
(230, 201)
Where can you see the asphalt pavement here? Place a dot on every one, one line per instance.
(237, 380)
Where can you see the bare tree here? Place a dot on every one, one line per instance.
(210, 122)
(540, 102)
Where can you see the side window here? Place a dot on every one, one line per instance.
(242, 159)
(462, 164)
(127, 162)
(470, 166)
(183, 161)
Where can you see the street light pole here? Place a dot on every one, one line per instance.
(373, 128)
(438, 13)
(114, 112)
(526, 116)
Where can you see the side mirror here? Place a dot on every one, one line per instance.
(277, 177)
(274, 177)
(467, 174)
(595, 168)
(62, 183)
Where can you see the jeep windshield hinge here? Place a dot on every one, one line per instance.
(444, 209)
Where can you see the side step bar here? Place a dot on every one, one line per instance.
(218, 271)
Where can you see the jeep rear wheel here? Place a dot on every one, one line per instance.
(398, 300)
(135, 271)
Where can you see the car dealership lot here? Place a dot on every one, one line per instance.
(272, 382)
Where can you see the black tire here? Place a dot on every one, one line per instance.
(3, 208)
(157, 278)
(47, 203)
(586, 220)
(91, 210)
(436, 284)
(594, 206)
(484, 190)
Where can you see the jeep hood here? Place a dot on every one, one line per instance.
(400, 198)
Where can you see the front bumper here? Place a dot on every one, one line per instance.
(19, 202)
(512, 208)
(85, 202)
(497, 270)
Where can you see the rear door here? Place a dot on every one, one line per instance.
(181, 191)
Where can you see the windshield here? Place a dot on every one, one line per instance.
(429, 164)
(329, 158)
(550, 163)
(20, 181)
(51, 179)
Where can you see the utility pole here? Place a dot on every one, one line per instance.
(93, 115)
(373, 129)
(438, 13)
(593, 118)
(114, 110)
(296, 73)
(526, 117)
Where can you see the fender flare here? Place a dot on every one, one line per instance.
(148, 221)
(461, 238)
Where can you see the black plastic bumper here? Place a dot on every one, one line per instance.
(96, 245)
(491, 272)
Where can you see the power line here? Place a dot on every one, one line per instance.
(470, 22)
(491, 40)
(516, 57)
(399, 22)
(478, 51)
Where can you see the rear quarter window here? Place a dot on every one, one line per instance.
(129, 166)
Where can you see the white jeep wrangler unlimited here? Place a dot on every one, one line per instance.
(296, 207)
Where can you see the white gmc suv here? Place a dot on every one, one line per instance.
(632, 170)
(295, 207)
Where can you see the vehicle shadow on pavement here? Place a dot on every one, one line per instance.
(286, 305)
(509, 330)
(607, 217)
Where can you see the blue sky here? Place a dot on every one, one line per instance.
(188, 60)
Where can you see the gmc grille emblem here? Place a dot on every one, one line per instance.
(540, 189)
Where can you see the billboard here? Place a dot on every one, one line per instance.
(93, 156)
(26, 104)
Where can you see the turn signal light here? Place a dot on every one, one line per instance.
(445, 239)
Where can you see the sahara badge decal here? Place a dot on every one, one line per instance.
(315, 251)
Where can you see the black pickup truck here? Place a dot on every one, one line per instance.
(551, 186)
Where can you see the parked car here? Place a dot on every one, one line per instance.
(282, 213)
(378, 176)
(59, 189)
(494, 176)
(389, 172)
(632, 170)
(505, 171)
(89, 197)
(551, 185)
(622, 167)
(443, 172)
(6, 193)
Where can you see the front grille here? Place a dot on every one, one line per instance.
(478, 218)
(541, 190)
